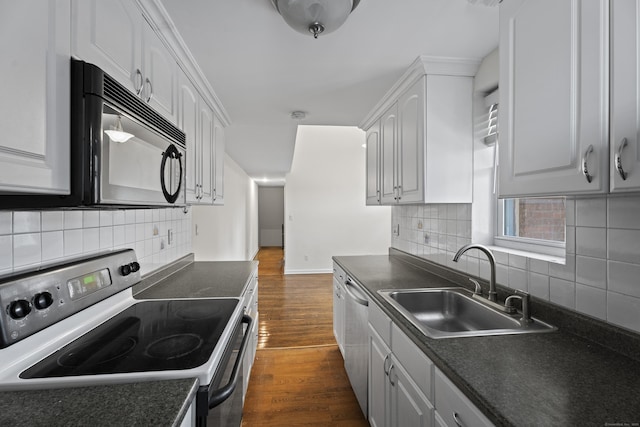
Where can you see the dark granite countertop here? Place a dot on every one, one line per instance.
(549, 379)
(154, 403)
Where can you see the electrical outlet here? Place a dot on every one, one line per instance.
(419, 225)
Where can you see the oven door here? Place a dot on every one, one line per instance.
(137, 165)
(220, 403)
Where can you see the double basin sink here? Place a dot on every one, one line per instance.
(455, 312)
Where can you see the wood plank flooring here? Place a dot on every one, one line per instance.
(298, 377)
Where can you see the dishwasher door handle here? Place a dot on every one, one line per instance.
(351, 290)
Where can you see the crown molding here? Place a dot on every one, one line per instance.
(421, 66)
(157, 16)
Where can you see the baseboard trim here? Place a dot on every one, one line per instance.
(315, 271)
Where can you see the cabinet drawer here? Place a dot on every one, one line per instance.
(380, 322)
(451, 403)
(417, 365)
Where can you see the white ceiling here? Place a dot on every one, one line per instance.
(262, 70)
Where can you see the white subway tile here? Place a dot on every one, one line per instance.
(6, 253)
(52, 245)
(163, 214)
(502, 274)
(118, 235)
(119, 217)
(140, 232)
(623, 311)
(148, 247)
(156, 215)
(623, 245)
(27, 249)
(72, 242)
(623, 212)
(517, 261)
(539, 266)
(518, 279)
(148, 215)
(26, 222)
(52, 220)
(140, 250)
(591, 212)
(566, 271)
(90, 219)
(106, 237)
(72, 220)
(139, 216)
(106, 218)
(90, 239)
(623, 278)
(591, 301)
(130, 216)
(539, 285)
(570, 212)
(6, 223)
(591, 242)
(591, 271)
(570, 240)
(562, 292)
(130, 233)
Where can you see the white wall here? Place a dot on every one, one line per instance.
(229, 232)
(325, 211)
(271, 213)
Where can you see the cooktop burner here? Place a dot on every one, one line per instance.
(148, 336)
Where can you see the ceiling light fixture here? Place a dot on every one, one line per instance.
(298, 115)
(315, 16)
(117, 134)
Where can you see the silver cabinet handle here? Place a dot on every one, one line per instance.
(457, 420)
(141, 85)
(617, 160)
(399, 192)
(384, 365)
(378, 195)
(352, 291)
(150, 89)
(585, 168)
(390, 376)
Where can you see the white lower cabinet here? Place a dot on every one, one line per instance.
(338, 306)
(453, 408)
(250, 301)
(399, 377)
(405, 388)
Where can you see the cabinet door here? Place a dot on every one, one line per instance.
(453, 407)
(338, 313)
(411, 141)
(409, 407)
(34, 96)
(553, 97)
(379, 359)
(373, 164)
(388, 137)
(206, 153)
(218, 165)
(188, 122)
(625, 84)
(108, 34)
(160, 75)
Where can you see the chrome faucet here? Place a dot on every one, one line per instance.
(493, 295)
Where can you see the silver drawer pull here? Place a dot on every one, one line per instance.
(457, 420)
(141, 85)
(384, 365)
(390, 376)
(617, 160)
(585, 167)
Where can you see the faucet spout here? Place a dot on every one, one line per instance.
(493, 295)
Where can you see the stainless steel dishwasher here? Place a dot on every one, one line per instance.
(356, 359)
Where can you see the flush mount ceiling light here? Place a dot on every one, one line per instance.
(117, 134)
(298, 115)
(315, 16)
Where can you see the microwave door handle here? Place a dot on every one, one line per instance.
(173, 153)
(223, 393)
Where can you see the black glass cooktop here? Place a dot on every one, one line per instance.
(148, 336)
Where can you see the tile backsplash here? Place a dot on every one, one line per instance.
(601, 273)
(30, 239)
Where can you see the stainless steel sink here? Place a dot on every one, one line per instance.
(453, 312)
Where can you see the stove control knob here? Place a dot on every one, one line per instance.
(19, 309)
(134, 267)
(43, 300)
(125, 270)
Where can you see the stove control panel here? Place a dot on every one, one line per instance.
(30, 302)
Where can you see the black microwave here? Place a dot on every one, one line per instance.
(123, 153)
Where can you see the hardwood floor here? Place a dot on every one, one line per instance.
(298, 377)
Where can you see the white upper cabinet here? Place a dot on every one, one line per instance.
(373, 164)
(116, 37)
(188, 100)
(34, 96)
(206, 153)
(425, 135)
(218, 161)
(553, 97)
(625, 87)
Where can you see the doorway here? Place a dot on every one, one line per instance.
(271, 216)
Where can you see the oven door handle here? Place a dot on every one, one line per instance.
(223, 393)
